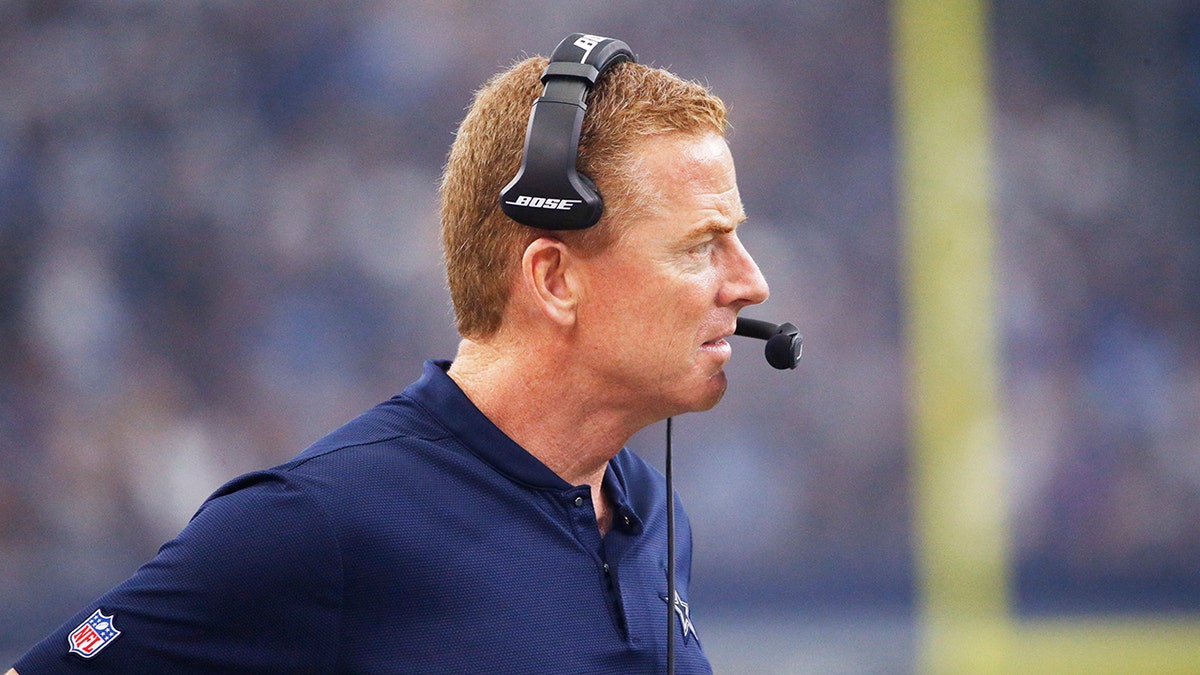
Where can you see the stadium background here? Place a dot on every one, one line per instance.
(218, 241)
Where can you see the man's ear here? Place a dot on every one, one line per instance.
(547, 275)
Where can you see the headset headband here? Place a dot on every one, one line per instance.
(548, 192)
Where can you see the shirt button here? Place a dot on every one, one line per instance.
(579, 501)
(626, 521)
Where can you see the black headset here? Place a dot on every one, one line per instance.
(548, 191)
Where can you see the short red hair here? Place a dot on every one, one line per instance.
(482, 246)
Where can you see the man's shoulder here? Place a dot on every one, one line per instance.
(400, 419)
(376, 453)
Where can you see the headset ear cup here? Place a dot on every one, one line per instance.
(548, 192)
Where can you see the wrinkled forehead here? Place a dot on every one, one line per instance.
(694, 167)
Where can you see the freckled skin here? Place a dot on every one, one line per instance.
(663, 297)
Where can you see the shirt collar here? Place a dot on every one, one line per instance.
(443, 399)
(624, 516)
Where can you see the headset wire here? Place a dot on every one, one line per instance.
(670, 558)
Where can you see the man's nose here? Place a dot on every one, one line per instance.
(746, 284)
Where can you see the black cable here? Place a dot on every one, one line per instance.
(670, 559)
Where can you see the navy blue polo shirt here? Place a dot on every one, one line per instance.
(416, 538)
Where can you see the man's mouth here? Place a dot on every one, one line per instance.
(719, 345)
(718, 341)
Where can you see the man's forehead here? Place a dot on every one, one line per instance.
(687, 156)
(695, 163)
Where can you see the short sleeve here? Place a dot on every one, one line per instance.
(252, 584)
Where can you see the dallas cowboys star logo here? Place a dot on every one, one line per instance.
(685, 617)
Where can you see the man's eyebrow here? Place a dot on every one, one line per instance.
(721, 226)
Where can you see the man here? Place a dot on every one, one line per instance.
(487, 518)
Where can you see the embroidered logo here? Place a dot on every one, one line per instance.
(94, 634)
(685, 618)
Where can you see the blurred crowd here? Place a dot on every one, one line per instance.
(218, 240)
(1098, 147)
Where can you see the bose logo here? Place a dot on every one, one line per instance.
(545, 203)
(587, 42)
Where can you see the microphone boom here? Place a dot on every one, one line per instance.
(784, 342)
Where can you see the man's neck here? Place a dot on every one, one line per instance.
(543, 410)
(545, 413)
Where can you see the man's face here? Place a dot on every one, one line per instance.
(660, 301)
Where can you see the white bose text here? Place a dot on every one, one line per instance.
(545, 203)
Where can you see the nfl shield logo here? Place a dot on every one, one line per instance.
(92, 635)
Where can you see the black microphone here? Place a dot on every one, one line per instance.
(784, 342)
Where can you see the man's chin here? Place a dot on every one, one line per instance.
(694, 396)
(714, 391)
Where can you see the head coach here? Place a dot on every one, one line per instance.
(489, 518)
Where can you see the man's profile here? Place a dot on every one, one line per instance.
(490, 515)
